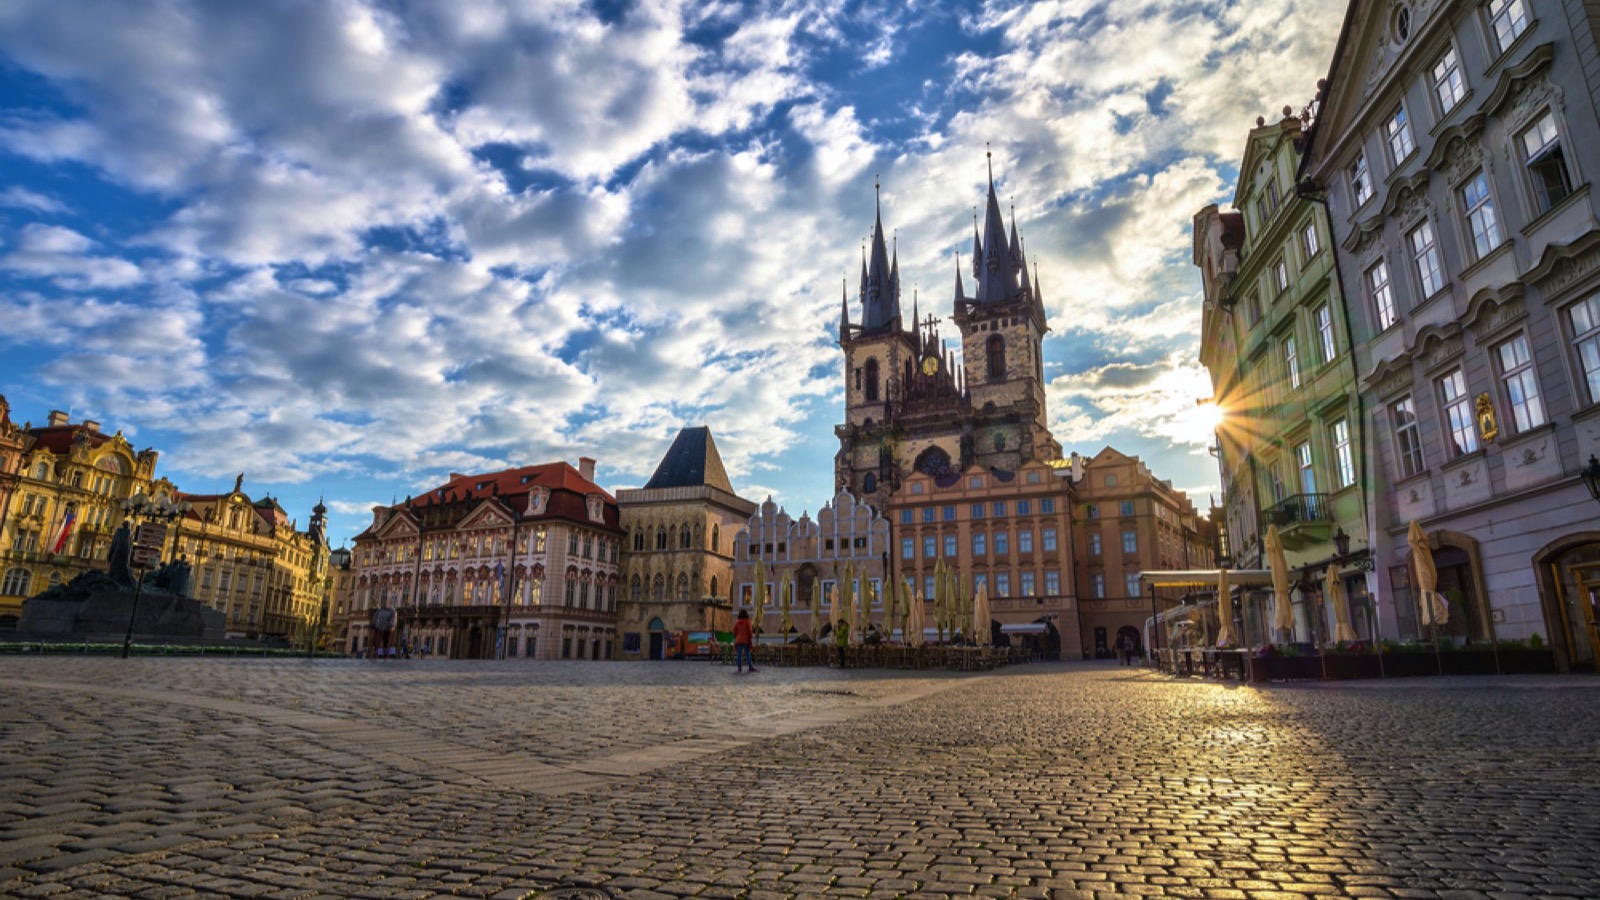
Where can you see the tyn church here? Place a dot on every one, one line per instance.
(914, 405)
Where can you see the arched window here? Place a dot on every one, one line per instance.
(638, 540)
(716, 540)
(660, 592)
(683, 538)
(714, 586)
(16, 583)
(683, 586)
(995, 352)
(872, 379)
(870, 483)
(637, 592)
(661, 538)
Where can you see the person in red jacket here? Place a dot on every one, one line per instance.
(742, 638)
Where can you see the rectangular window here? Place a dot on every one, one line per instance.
(1360, 180)
(1130, 543)
(1291, 362)
(1127, 507)
(1025, 541)
(1027, 584)
(1052, 583)
(1481, 221)
(1458, 414)
(1048, 539)
(1047, 505)
(950, 545)
(1448, 84)
(927, 587)
(1584, 318)
(905, 517)
(1002, 543)
(1343, 454)
(1425, 257)
(930, 547)
(1280, 275)
(1025, 507)
(1308, 240)
(999, 510)
(927, 514)
(979, 583)
(908, 548)
(1397, 131)
(1097, 585)
(1323, 316)
(1546, 161)
(1094, 544)
(949, 513)
(977, 510)
(1407, 445)
(1253, 307)
(1508, 19)
(1002, 584)
(1091, 510)
(980, 544)
(1308, 474)
(1521, 387)
(1130, 583)
(1382, 296)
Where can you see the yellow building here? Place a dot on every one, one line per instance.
(64, 504)
(250, 562)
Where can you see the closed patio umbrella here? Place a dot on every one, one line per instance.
(1434, 610)
(759, 597)
(916, 618)
(1224, 610)
(1282, 608)
(785, 598)
(1343, 633)
(816, 609)
(981, 616)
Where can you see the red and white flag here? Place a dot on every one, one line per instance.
(66, 530)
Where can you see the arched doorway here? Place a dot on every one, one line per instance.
(658, 639)
(474, 643)
(1569, 592)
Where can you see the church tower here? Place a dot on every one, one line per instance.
(1002, 344)
(912, 404)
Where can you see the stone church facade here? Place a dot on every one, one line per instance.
(914, 405)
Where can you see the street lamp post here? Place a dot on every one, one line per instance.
(140, 507)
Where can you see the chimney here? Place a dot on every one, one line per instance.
(57, 417)
(586, 468)
(92, 425)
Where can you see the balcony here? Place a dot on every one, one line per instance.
(1302, 519)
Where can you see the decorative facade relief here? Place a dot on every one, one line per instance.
(1467, 484)
(1530, 462)
(1414, 501)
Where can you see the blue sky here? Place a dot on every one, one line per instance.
(349, 247)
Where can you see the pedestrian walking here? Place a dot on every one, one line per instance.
(1125, 650)
(743, 637)
(382, 632)
(841, 639)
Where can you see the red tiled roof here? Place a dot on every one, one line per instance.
(59, 438)
(555, 476)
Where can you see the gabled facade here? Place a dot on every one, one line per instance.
(1277, 347)
(1454, 144)
(251, 563)
(911, 403)
(66, 501)
(678, 548)
(517, 563)
(848, 541)
(1127, 521)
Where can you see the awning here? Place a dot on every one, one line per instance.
(1206, 578)
(1027, 628)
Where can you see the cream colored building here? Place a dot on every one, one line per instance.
(677, 556)
(251, 563)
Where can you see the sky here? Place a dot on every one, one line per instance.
(347, 248)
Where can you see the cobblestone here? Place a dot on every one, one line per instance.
(242, 778)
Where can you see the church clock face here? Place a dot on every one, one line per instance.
(930, 366)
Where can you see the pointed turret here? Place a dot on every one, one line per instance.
(880, 294)
(844, 312)
(1022, 261)
(961, 293)
(977, 249)
(916, 323)
(998, 280)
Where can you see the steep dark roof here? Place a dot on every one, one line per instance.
(691, 461)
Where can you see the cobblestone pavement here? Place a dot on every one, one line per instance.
(206, 777)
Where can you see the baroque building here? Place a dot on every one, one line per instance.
(678, 547)
(517, 563)
(1007, 533)
(251, 562)
(1276, 342)
(1448, 145)
(844, 550)
(65, 502)
(912, 404)
(1126, 522)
